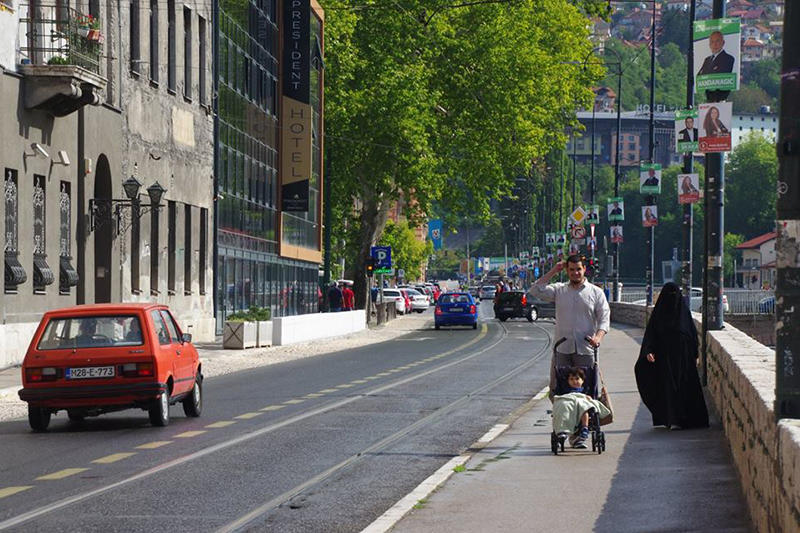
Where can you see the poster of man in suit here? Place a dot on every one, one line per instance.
(616, 209)
(650, 178)
(717, 53)
(686, 132)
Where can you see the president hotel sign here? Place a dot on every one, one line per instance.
(296, 109)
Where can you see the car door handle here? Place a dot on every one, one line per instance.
(178, 352)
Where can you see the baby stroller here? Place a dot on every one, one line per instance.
(591, 388)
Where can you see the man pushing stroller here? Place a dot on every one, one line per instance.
(582, 317)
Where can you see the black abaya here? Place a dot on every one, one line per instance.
(670, 387)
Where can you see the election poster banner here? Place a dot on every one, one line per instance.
(616, 234)
(650, 178)
(435, 233)
(686, 132)
(717, 54)
(649, 216)
(593, 216)
(716, 121)
(550, 239)
(688, 188)
(616, 209)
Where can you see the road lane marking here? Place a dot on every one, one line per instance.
(153, 445)
(327, 391)
(359, 381)
(344, 386)
(248, 416)
(10, 491)
(61, 474)
(223, 424)
(313, 395)
(383, 374)
(66, 502)
(404, 367)
(189, 434)
(394, 370)
(541, 394)
(272, 408)
(113, 458)
(372, 377)
(293, 402)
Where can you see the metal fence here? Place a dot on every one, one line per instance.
(59, 35)
(740, 301)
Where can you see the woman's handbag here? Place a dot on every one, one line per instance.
(606, 400)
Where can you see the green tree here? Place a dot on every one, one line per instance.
(492, 242)
(751, 187)
(731, 241)
(408, 252)
(427, 104)
(765, 74)
(749, 99)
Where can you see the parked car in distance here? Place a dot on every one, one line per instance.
(767, 305)
(696, 301)
(456, 309)
(406, 300)
(487, 292)
(394, 295)
(419, 302)
(517, 304)
(94, 359)
(473, 290)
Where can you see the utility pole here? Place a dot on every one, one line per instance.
(561, 190)
(714, 225)
(615, 296)
(651, 200)
(574, 167)
(787, 291)
(591, 186)
(328, 227)
(688, 167)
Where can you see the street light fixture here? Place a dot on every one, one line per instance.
(124, 211)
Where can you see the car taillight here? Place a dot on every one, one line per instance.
(438, 310)
(137, 370)
(472, 309)
(38, 375)
(524, 301)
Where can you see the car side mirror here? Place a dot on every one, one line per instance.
(187, 337)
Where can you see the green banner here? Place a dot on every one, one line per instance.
(717, 54)
(686, 131)
(616, 209)
(704, 28)
(650, 178)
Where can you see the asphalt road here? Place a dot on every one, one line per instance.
(325, 443)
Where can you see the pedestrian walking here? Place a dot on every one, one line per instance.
(348, 297)
(666, 371)
(583, 315)
(335, 298)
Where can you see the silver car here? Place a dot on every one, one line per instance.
(487, 292)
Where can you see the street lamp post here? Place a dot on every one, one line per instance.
(651, 199)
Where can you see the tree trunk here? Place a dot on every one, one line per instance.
(374, 215)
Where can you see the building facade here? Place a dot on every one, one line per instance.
(95, 94)
(266, 256)
(758, 268)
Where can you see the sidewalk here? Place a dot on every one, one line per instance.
(649, 479)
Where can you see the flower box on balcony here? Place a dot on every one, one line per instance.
(92, 35)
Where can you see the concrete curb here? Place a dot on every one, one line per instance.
(390, 518)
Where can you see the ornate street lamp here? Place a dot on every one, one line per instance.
(124, 211)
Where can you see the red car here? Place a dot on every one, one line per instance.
(94, 359)
(407, 300)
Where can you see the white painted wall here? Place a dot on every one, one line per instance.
(14, 341)
(9, 31)
(303, 328)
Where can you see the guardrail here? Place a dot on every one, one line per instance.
(740, 301)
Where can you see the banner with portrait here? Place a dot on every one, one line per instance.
(688, 188)
(649, 216)
(686, 132)
(717, 54)
(716, 123)
(650, 178)
(593, 214)
(616, 209)
(616, 234)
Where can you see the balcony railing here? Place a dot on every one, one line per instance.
(59, 35)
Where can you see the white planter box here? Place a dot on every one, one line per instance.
(264, 333)
(239, 335)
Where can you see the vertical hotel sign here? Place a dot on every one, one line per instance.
(296, 115)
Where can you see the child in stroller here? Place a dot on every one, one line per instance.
(576, 408)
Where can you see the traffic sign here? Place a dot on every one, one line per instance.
(578, 232)
(383, 259)
(579, 215)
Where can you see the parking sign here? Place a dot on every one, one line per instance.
(383, 258)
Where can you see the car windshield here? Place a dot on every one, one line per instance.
(454, 299)
(391, 292)
(91, 332)
(488, 288)
(413, 292)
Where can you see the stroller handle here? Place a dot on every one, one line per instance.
(562, 340)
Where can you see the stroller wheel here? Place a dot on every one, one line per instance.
(554, 443)
(601, 438)
(594, 442)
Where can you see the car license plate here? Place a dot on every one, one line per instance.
(89, 372)
(456, 310)
(510, 309)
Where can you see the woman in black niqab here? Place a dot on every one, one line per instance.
(666, 372)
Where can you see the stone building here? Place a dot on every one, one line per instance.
(94, 94)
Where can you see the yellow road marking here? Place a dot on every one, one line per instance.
(61, 474)
(293, 402)
(344, 386)
(404, 367)
(223, 424)
(272, 408)
(248, 416)
(313, 395)
(392, 371)
(372, 377)
(383, 374)
(359, 381)
(113, 458)
(189, 434)
(153, 445)
(9, 491)
(327, 391)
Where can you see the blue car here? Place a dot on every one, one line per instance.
(456, 309)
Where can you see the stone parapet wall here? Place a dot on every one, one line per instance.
(741, 383)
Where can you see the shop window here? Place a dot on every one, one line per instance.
(201, 268)
(171, 245)
(154, 230)
(136, 249)
(187, 249)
